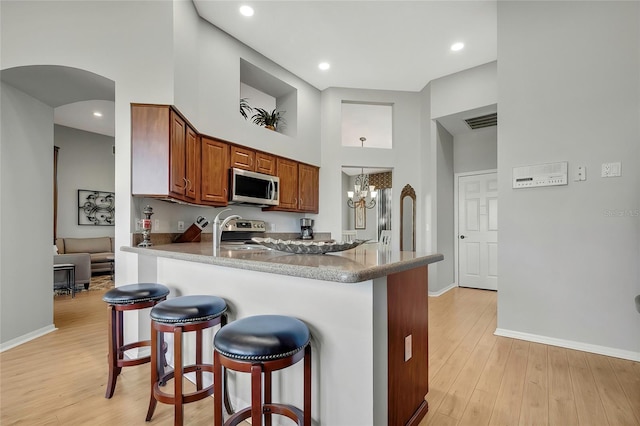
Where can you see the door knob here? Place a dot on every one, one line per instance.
(462, 237)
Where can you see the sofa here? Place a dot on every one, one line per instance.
(99, 249)
(82, 261)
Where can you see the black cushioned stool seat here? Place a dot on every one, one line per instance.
(127, 298)
(260, 345)
(177, 316)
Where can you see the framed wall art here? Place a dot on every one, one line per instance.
(97, 208)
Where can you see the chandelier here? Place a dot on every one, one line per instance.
(363, 195)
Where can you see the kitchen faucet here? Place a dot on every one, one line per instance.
(218, 227)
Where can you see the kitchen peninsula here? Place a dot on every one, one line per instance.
(366, 308)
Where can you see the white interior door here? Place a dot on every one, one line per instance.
(478, 231)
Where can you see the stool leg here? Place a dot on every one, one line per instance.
(267, 397)
(256, 394)
(227, 400)
(154, 371)
(199, 359)
(217, 390)
(307, 385)
(177, 377)
(114, 349)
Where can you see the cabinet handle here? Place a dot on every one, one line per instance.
(186, 182)
(251, 161)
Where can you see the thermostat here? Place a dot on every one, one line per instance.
(550, 174)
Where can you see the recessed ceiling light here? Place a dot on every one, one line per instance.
(457, 46)
(324, 66)
(246, 10)
(97, 114)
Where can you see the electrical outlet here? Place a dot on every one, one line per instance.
(580, 174)
(138, 224)
(156, 224)
(407, 348)
(180, 225)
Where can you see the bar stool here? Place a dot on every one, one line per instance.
(262, 344)
(177, 316)
(127, 298)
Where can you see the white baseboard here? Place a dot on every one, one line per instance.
(26, 337)
(443, 291)
(570, 344)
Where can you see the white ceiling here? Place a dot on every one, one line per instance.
(79, 115)
(390, 45)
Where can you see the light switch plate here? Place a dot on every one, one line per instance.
(611, 169)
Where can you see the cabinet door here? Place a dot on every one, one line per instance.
(242, 158)
(192, 165)
(177, 155)
(150, 170)
(214, 172)
(288, 174)
(265, 163)
(308, 188)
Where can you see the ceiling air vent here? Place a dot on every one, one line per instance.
(482, 121)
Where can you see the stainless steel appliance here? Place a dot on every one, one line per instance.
(306, 228)
(237, 234)
(253, 188)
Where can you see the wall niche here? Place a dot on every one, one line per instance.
(262, 90)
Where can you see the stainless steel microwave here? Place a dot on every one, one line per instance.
(253, 188)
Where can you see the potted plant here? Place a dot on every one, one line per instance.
(245, 107)
(271, 120)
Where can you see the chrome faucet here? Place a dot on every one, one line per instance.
(218, 227)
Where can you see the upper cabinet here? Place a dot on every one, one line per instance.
(255, 161)
(298, 187)
(288, 174)
(215, 172)
(169, 159)
(183, 159)
(164, 154)
(308, 188)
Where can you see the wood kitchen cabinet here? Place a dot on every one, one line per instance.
(164, 154)
(183, 154)
(308, 187)
(171, 160)
(255, 161)
(298, 187)
(288, 174)
(214, 172)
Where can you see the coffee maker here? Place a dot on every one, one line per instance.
(306, 228)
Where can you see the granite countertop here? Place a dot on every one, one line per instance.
(351, 266)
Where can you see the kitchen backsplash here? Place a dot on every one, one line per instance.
(161, 238)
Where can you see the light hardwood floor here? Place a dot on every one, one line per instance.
(476, 378)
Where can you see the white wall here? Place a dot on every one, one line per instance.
(445, 211)
(129, 43)
(476, 150)
(207, 90)
(402, 159)
(569, 255)
(85, 161)
(26, 212)
(466, 90)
